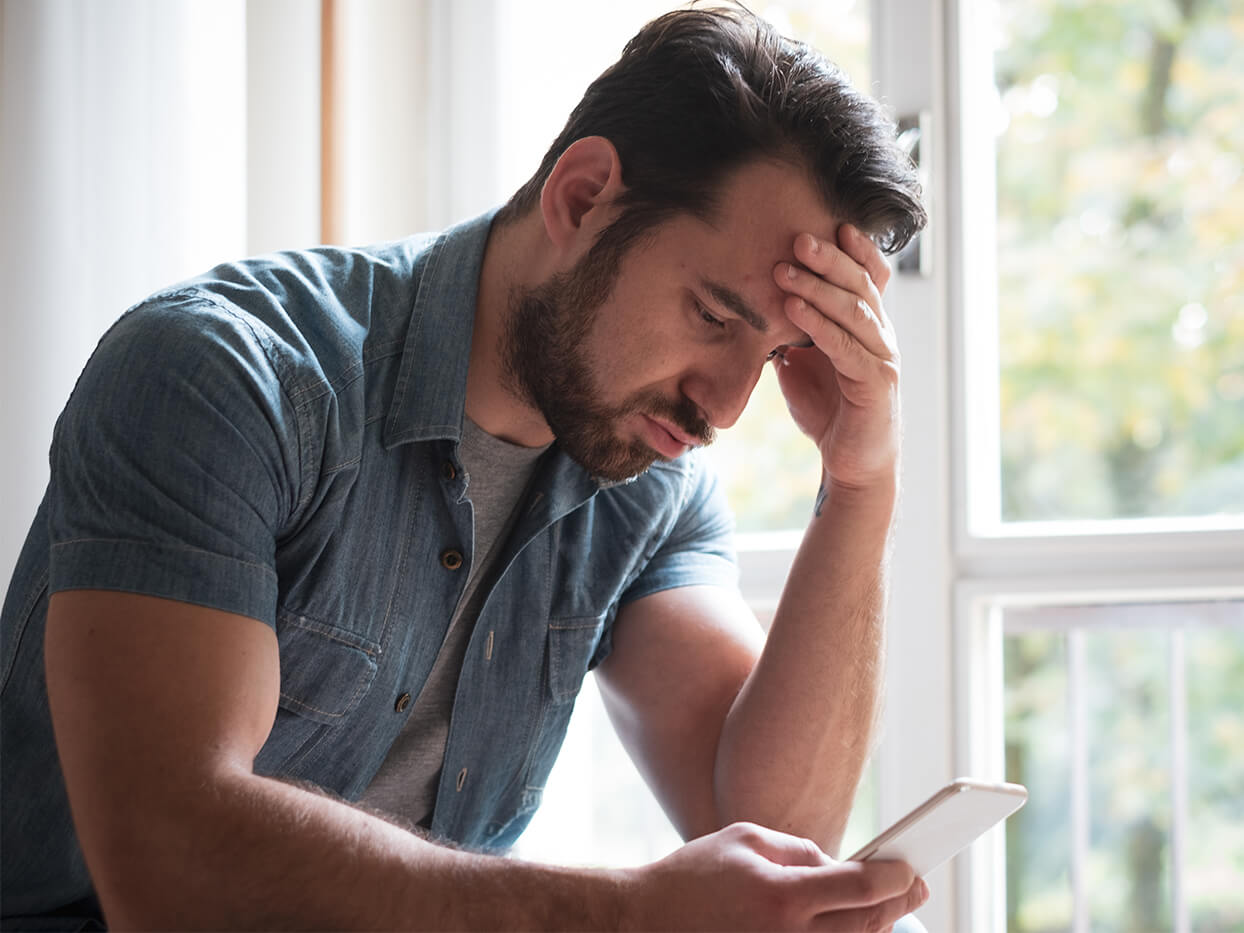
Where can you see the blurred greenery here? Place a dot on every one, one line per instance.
(1130, 758)
(1121, 257)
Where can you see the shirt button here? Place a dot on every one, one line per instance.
(451, 559)
(402, 702)
(447, 470)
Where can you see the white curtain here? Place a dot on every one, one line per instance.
(122, 169)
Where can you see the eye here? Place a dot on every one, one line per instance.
(708, 317)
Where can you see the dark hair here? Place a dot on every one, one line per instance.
(700, 92)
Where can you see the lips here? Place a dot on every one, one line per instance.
(666, 440)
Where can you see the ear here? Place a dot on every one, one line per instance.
(576, 199)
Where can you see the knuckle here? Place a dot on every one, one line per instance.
(875, 290)
(844, 343)
(810, 849)
(746, 833)
(861, 313)
(876, 918)
(864, 887)
(863, 282)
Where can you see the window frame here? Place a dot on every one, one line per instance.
(1030, 563)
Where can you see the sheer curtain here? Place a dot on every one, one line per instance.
(122, 168)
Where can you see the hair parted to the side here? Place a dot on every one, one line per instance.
(700, 92)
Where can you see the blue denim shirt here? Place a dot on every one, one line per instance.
(278, 438)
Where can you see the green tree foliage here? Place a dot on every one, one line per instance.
(1121, 257)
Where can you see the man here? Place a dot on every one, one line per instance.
(337, 534)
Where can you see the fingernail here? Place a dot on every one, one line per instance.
(814, 244)
(791, 272)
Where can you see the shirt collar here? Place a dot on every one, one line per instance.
(429, 400)
(430, 395)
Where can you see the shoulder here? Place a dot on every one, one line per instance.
(307, 319)
(677, 504)
(671, 487)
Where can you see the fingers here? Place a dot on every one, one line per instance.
(835, 298)
(843, 886)
(874, 914)
(863, 250)
(853, 263)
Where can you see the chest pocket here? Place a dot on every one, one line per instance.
(325, 671)
(572, 643)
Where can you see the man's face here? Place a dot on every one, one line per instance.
(547, 354)
(635, 357)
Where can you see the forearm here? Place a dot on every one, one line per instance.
(796, 740)
(256, 853)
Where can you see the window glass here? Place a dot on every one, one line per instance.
(1124, 723)
(1120, 198)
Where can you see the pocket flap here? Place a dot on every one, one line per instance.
(325, 671)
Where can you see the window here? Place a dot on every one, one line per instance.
(1099, 457)
(1120, 259)
(1124, 722)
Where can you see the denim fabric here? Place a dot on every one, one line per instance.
(278, 438)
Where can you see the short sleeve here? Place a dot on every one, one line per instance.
(175, 463)
(699, 550)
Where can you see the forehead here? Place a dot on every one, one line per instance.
(761, 208)
(770, 200)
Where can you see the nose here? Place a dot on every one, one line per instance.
(722, 391)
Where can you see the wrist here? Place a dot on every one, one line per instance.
(879, 492)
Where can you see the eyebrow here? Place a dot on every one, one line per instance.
(736, 303)
(727, 297)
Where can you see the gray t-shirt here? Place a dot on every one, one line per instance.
(497, 474)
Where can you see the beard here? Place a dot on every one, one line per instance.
(546, 365)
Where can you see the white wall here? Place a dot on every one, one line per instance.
(282, 124)
(122, 168)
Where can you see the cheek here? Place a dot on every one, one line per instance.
(635, 351)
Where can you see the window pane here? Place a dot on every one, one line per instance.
(1120, 189)
(1135, 711)
(1216, 778)
(770, 469)
(1038, 837)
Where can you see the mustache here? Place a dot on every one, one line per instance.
(682, 412)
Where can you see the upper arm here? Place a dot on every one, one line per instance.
(151, 700)
(175, 466)
(680, 657)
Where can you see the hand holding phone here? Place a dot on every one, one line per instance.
(945, 823)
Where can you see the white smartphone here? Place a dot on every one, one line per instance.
(945, 823)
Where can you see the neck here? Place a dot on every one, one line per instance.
(514, 257)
